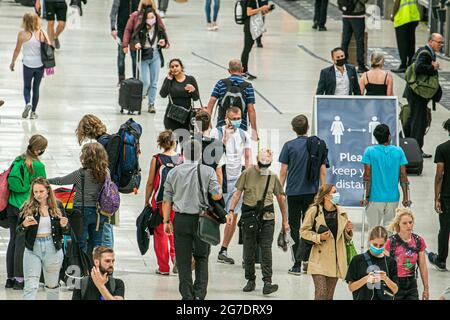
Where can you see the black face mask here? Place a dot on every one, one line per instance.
(340, 62)
(41, 153)
(263, 166)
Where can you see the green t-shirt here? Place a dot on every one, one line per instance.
(252, 183)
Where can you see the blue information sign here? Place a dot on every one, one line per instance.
(346, 124)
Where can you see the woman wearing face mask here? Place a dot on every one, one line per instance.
(24, 169)
(182, 91)
(373, 275)
(326, 224)
(408, 249)
(43, 224)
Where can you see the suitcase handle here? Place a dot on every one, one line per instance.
(138, 63)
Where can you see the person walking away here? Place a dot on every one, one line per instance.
(372, 275)
(33, 69)
(162, 7)
(150, 39)
(54, 10)
(384, 167)
(160, 166)
(320, 15)
(408, 249)
(43, 222)
(86, 222)
(442, 201)
(326, 224)
(19, 186)
(300, 191)
(212, 23)
(182, 195)
(120, 12)
(381, 82)
(406, 18)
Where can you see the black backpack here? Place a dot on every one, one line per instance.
(397, 241)
(234, 97)
(347, 6)
(111, 143)
(240, 11)
(318, 153)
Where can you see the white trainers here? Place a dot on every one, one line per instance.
(209, 27)
(162, 14)
(215, 26)
(33, 115)
(26, 111)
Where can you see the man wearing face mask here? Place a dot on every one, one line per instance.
(340, 79)
(101, 285)
(238, 148)
(384, 168)
(258, 185)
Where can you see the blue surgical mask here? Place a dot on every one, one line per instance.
(236, 124)
(335, 197)
(376, 251)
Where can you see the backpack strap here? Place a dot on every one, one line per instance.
(368, 260)
(228, 83)
(112, 285)
(243, 136)
(393, 246)
(84, 285)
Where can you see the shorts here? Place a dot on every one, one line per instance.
(56, 9)
(231, 188)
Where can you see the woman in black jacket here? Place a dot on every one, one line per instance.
(182, 91)
(43, 223)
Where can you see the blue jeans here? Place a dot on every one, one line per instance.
(32, 75)
(149, 76)
(108, 235)
(91, 237)
(208, 10)
(44, 257)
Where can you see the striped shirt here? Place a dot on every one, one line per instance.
(220, 90)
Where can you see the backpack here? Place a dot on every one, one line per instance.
(128, 172)
(163, 167)
(111, 143)
(108, 201)
(318, 152)
(240, 11)
(347, 6)
(423, 85)
(4, 191)
(19, 179)
(85, 283)
(395, 240)
(234, 97)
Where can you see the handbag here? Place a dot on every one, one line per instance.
(257, 27)
(177, 113)
(423, 85)
(305, 246)
(252, 216)
(351, 251)
(208, 225)
(47, 53)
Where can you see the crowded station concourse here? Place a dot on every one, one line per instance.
(84, 81)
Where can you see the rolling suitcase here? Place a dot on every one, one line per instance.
(130, 92)
(413, 154)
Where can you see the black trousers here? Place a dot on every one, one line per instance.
(406, 42)
(407, 289)
(356, 26)
(444, 229)
(248, 44)
(297, 207)
(188, 244)
(16, 245)
(264, 238)
(320, 12)
(417, 122)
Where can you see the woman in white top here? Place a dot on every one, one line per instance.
(33, 70)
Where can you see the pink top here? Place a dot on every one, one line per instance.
(406, 259)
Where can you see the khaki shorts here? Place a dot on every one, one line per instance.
(380, 213)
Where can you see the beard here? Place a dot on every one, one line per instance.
(106, 271)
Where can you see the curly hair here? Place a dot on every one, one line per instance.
(165, 140)
(94, 157)
(31, 207)
(89, 127)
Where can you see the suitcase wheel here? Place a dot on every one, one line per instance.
(139, 112)
(121, 110)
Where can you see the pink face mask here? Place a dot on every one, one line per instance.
(150, 22)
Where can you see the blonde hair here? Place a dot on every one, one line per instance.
(377, 59)
(394, 226)
(324, 190)
(31, 22)
(94, 157)
(31, 207)
(145, 3)
(89, 127)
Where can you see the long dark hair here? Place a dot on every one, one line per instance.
(141, 28)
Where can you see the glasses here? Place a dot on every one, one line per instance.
(439, 42)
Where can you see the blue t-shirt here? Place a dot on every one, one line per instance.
(385, 162)
(295, 155)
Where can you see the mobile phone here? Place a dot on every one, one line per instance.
(271, 7)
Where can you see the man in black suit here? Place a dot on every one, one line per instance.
(339, 79)
(425, 64)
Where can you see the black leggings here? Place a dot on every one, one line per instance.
(16, 245)
(31, 82)
(248, 44)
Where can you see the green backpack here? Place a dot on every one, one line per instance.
(423, 85)
(19, 179)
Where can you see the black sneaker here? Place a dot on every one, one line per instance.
(426, 155)
(295, 270)
(259, 45)
(362, 69)
(399, 70)
(323, 28)
(249, 76)
(250, 286)
(57, 44)
(9, 283)
(18, 285)
(269, 288)
(224, 258)
(315, 26)
(433, 258)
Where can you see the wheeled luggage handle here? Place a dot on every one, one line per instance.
(138, 63)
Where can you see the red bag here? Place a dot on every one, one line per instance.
(4, 191)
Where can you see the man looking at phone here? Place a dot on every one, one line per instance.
(238, 147)
(101, 285)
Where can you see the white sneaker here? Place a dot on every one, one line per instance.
(33, 115)
(26, 111)
(162, 14)
(215, 26)
(210, 27)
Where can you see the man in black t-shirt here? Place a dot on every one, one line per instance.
(442, 201)
(101, 285)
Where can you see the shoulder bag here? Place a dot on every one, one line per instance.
(252, 216)
(257, 27)
(305, 246)
(208, 222)
(177, 113)
(47, 52)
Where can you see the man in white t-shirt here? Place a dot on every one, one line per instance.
(238, 153)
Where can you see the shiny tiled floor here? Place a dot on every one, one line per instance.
(85, 82)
